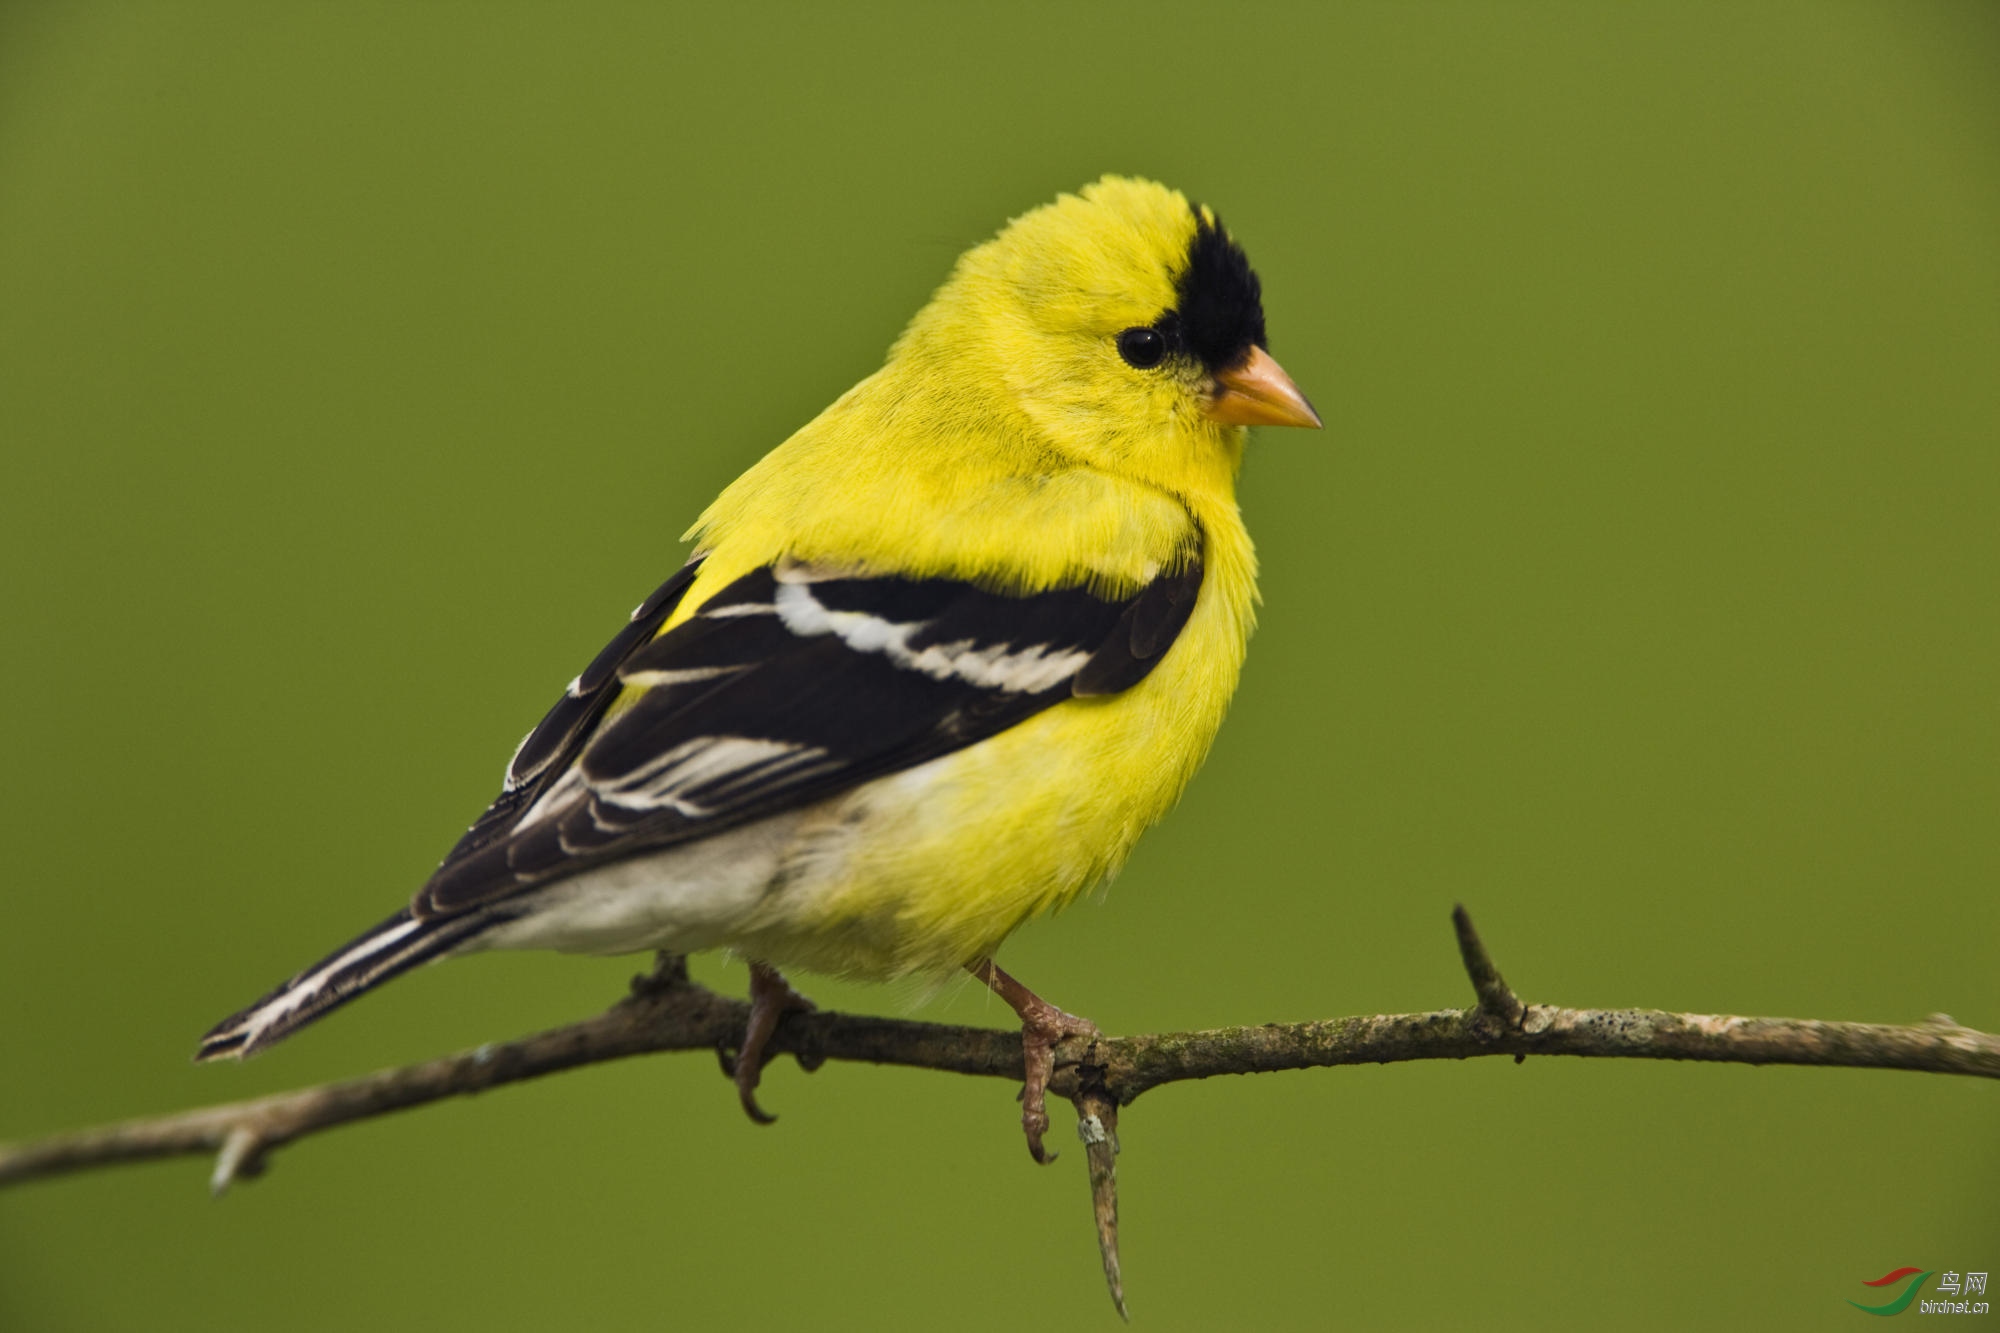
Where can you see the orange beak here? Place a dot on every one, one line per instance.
(1258, 392)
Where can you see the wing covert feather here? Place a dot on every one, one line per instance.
(784, 688)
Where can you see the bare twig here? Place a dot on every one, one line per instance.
(1097, 1126)
(1496, 998)
(667, 1012)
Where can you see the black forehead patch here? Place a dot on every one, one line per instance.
(1219, 301)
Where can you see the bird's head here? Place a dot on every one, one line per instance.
(1126, 326)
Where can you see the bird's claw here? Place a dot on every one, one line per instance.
(771, 998)
(1039, 1036)
(748, 1096)
(1042, 1026)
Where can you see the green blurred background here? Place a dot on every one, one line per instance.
(359, 366)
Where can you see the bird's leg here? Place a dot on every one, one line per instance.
(771, 998)
(1042, 1026)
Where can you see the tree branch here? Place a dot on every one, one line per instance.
(668, 1012)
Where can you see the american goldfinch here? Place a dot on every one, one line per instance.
(935, 662)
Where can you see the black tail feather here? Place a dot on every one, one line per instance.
(376, 956)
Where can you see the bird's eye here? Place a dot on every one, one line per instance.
(1142, 347)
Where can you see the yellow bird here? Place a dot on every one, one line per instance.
(935, 662)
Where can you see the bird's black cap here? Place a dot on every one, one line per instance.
(1219, 302)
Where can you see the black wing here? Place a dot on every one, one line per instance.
(547, 750)
(785, 688)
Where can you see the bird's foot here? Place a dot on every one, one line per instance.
(1042, 1026)
(771, 998)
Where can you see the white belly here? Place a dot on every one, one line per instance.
(685, 898)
